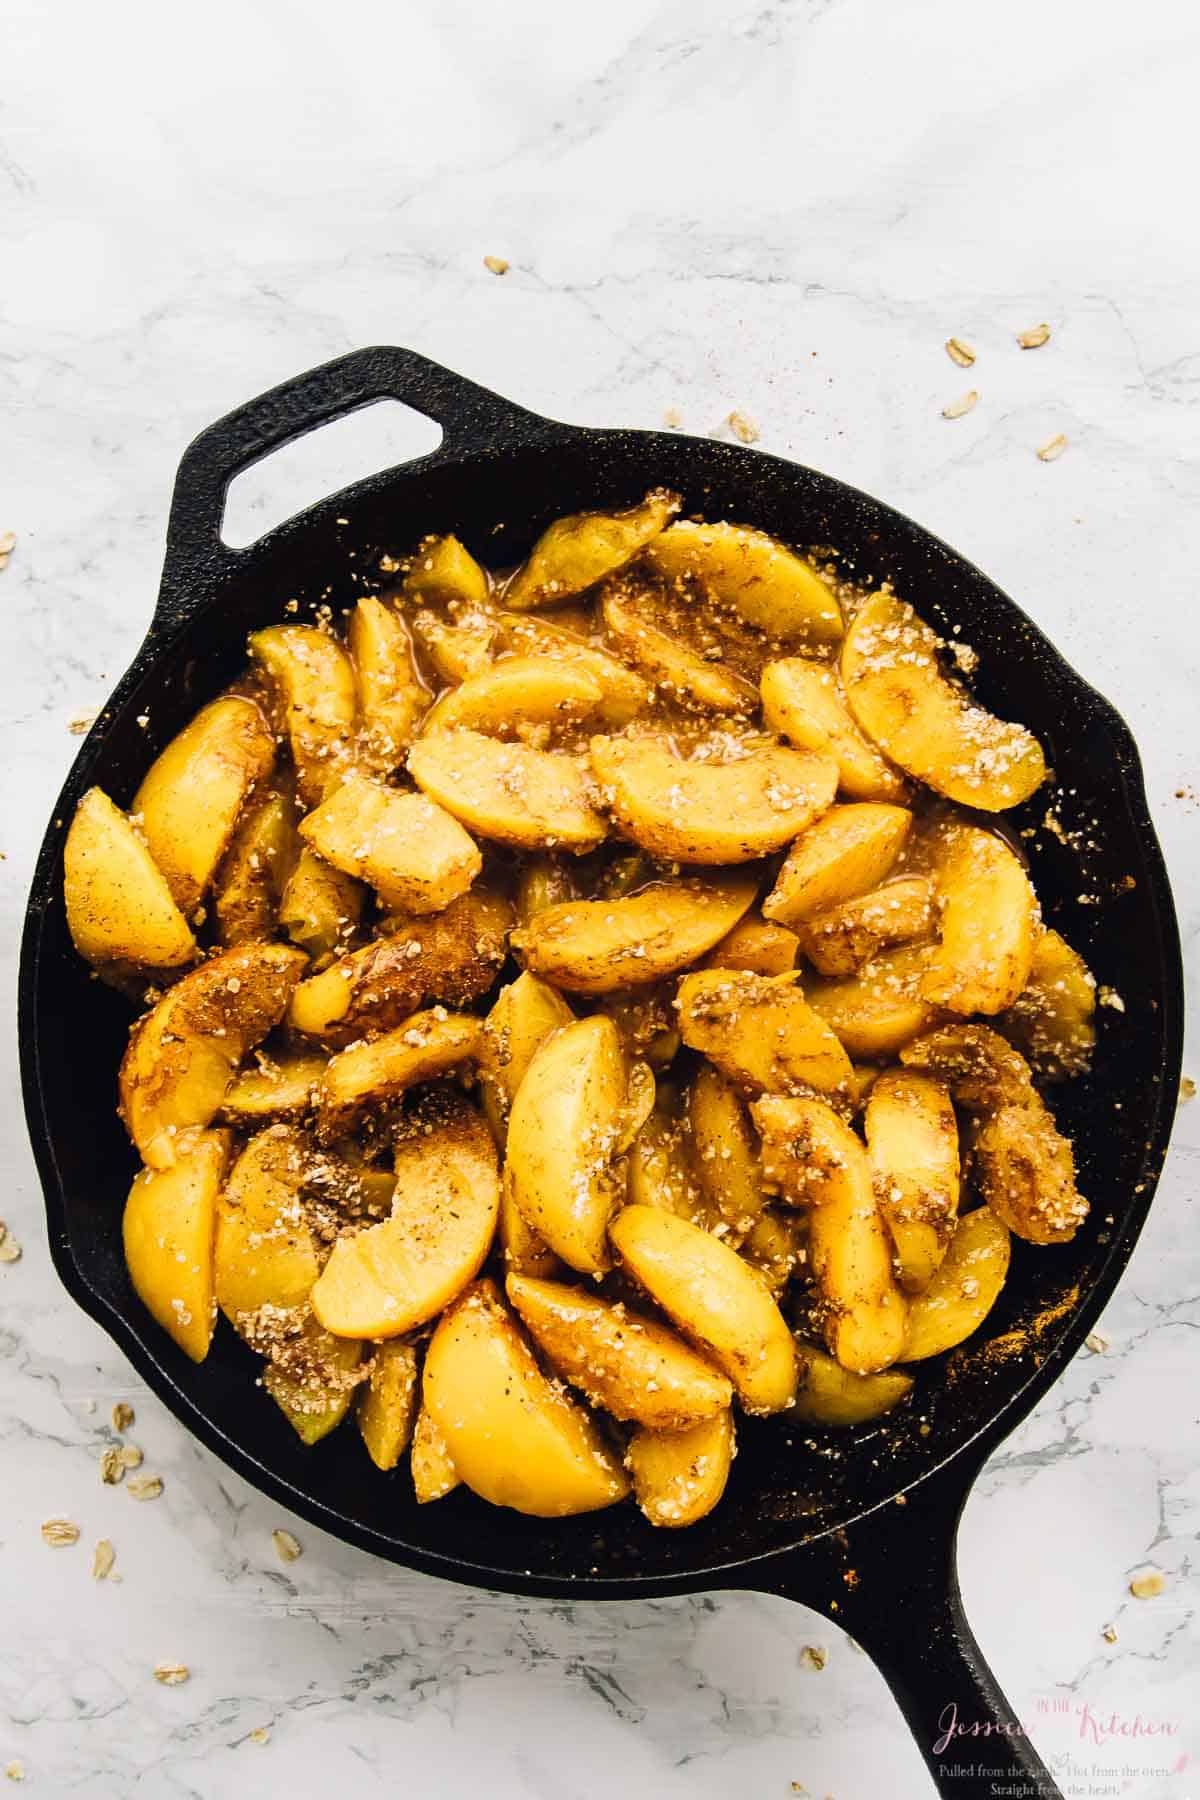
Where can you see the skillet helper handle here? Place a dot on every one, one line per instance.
(197, 560)
(892, 1582)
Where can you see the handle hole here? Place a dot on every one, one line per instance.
(322, 462)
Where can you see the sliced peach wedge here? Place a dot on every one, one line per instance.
(626, 1362)
(168, 1230)
(392, 1277)
(513, 1435)
(119, 906)
(182, 1056)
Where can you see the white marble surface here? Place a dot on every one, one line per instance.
(780, 207)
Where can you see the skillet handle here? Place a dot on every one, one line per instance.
(197, 560)
(891, 1581)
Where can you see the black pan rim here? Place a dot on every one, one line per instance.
(748, 1571)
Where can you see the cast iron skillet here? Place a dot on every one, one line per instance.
(815, 1518)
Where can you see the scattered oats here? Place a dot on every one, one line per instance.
(130, 1456)
(497, 264)
(1034, 338)
(103, 1558)
(15, 1770)
(112, 1469)
(813, 1657)
(798, 1787)
(1108, 996)
(287, 1546)
(1187, 1089)
(958, 409)
(1053, 448)
(145, 1487)
(172, 1674)
(122, 1416)
(82, 723)
(673, 418)
(143, 720)
(8, 543)
(10, 1250)
(388, 565)
(58, 1533)
(1109, 1634)
(960, 353)
(743, 427)
(260, 1735)
(1145, 1587)
(1096, 1342)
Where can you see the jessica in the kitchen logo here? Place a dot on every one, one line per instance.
(1096, 1726)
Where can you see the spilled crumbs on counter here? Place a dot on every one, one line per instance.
(958, 409)
(743, 427)
(60, 1533)
(112, 1469)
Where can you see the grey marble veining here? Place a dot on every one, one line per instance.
(783, 208)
